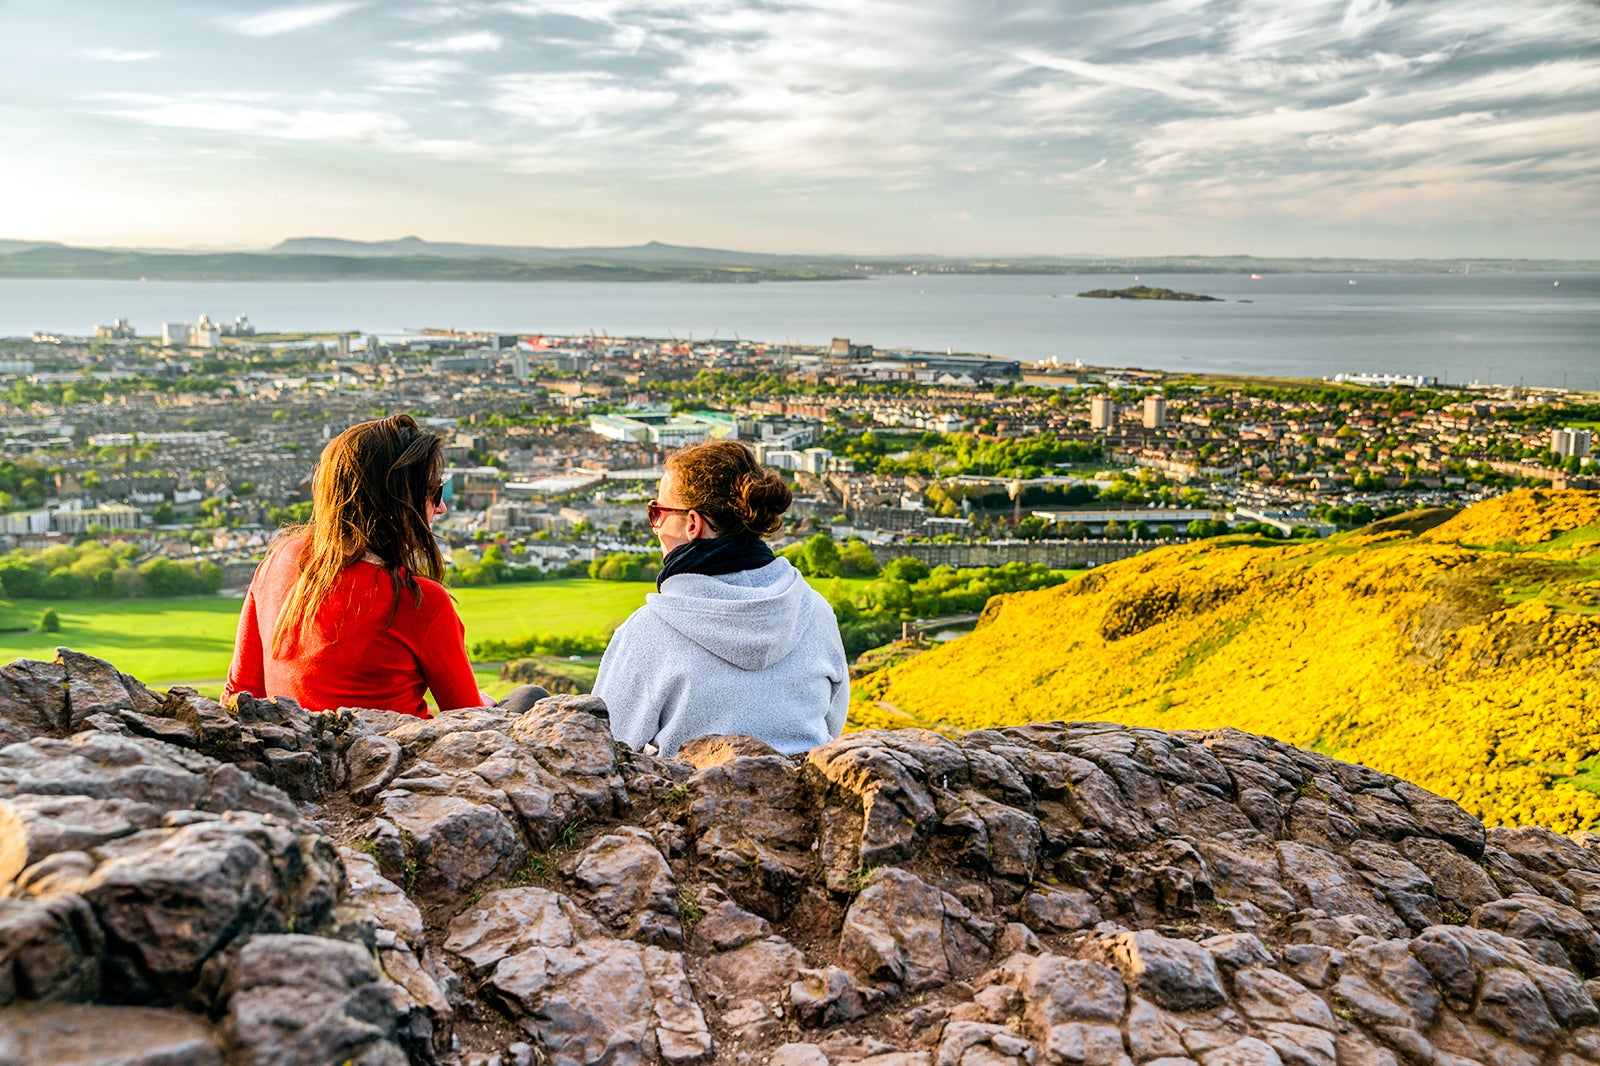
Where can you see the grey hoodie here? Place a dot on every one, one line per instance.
(756, 652)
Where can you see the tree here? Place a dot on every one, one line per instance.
(49, 622)
(618, 566)
(821, 556)
(856, 560)
(796, 554)
(21, 581)
(1031, 528)
(493, 563)
(905, 568)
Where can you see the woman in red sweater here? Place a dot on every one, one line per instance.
(347, 610)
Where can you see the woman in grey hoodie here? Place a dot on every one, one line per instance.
(734, 641)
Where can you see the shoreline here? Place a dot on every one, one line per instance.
(1507, 330)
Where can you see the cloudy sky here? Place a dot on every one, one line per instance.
(1357, 127)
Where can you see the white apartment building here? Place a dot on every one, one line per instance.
(1568, 442)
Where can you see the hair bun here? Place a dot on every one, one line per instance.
(760, 497)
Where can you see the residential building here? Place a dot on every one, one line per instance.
(1102, 412)
(816, 460)
(1155, 412)
(841, 348)
(1568, 442)
(19, 523)
(108, 516)
(119, 330)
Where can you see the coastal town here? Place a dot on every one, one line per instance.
(196, 441)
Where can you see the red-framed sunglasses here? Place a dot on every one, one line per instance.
(654, 513)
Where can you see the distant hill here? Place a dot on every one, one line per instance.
(335, 258)
(653, 254)
(7, 247)
(64, 262)
(1463, 655)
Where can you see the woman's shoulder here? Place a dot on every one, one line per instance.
(645, 623)
(435, 597)
(282, 558)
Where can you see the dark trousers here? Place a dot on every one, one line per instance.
(521, 699)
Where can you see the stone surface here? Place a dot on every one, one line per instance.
(456, 843)
(301, 999)
(512, 920)
(50, 949)
(605, 1000)
(1059, 911)
(83, 1035)
(627, 884)
(190, 882)
(751, 823)
(1175, 974)
(982, 1044)
(903, 931)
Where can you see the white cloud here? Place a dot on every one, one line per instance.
(481, 41)
(255, 119)
(282, 20)
(122, 55)
(1126, 76)
(1150, 114)
(574, 100)
(422, 76)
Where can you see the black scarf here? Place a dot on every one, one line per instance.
(716, 555)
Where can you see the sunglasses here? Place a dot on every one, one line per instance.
(654, 513)
(435, 492)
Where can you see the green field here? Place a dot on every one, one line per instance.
(190, 639)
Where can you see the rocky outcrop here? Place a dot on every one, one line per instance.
(182, 882)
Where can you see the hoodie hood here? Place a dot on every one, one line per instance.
(752, 619)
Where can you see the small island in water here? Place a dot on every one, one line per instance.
(1144, 292)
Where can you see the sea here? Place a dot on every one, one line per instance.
(1529, 329)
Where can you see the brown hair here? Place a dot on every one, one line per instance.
(722, 480)
(372, 492)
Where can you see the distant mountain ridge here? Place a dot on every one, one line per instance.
(60, 261)
(7, 247)
(413, 258)
(653, 253)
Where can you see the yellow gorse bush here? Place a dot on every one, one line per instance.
(1465, 657)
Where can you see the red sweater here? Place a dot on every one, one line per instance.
(351, 655)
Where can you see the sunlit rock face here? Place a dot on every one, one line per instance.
(190, 883)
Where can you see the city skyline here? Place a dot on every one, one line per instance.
(1440, 128)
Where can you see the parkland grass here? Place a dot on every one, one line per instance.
(190, 639)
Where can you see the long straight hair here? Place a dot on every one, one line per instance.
(373, 491)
